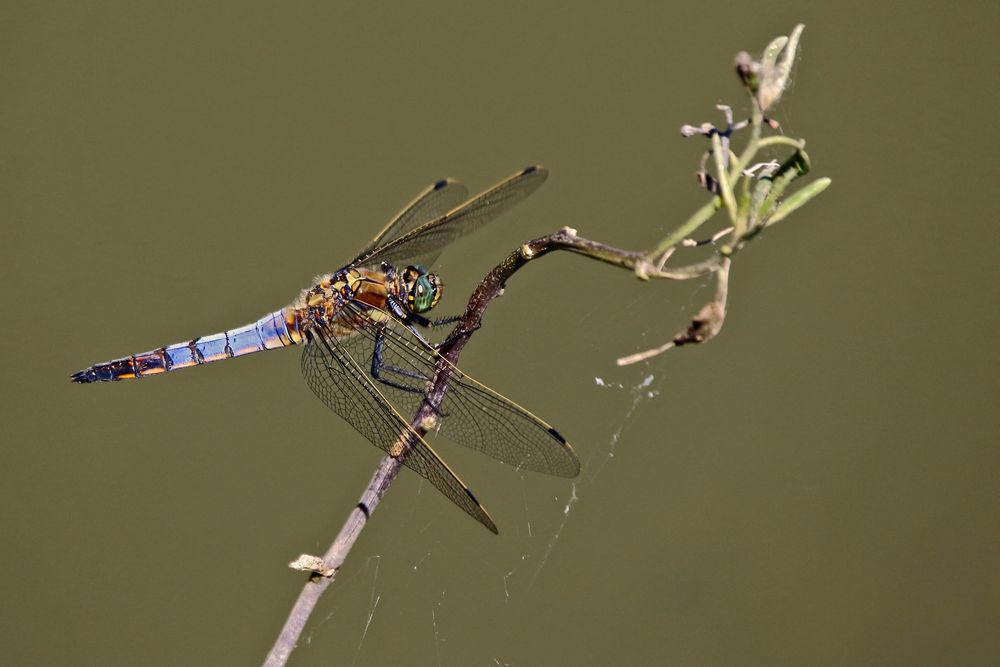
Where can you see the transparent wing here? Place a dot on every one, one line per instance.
(346, 386)
(436, 200)
(423, 244)
(473, 415)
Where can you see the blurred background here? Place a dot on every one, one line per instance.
(817, 486)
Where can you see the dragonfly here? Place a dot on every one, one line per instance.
(365, 357)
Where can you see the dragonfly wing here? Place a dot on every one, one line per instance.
(423, 244)
(344, 383)
(436, 200)
(473, 414)
(480, 418)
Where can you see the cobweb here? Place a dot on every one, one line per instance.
(461, 600)
(452, 602)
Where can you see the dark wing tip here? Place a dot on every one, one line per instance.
(482, 516)
(445, 182)
(574, 469)
(532, 169)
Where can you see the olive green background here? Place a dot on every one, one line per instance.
(818, 486)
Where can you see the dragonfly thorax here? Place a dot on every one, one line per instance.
(422, 288)
(413, 290)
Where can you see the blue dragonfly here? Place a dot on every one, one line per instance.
(365, 357)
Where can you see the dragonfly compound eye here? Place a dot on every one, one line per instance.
(424, 293)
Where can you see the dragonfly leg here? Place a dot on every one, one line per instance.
(445, 320)
(430, 324)
(410, 318)
(378, 368)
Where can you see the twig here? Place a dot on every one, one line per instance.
(751, 195)
(703, 327)
(335, 556)
(749, 211)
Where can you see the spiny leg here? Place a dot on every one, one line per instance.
(378, 367)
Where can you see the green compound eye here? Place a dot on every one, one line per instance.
(424, 291)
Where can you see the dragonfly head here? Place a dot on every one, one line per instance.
(423, 289)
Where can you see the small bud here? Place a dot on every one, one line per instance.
(748, 71)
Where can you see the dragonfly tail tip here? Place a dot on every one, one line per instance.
(82, 377)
